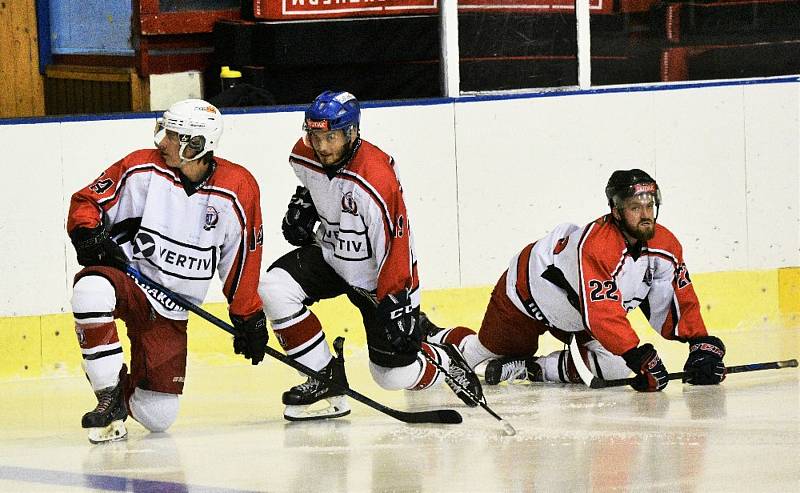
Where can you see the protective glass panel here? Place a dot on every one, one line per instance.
(657, 41)
(517, 44)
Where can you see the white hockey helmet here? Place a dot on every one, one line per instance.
(198, 124)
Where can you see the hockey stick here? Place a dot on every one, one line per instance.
(771, 365)
(507, 428)
(440, 416)
(594, 382)
(586, 375)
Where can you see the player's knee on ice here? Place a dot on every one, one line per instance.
(156, 411)
(404, 377)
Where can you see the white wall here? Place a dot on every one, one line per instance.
(482, 177)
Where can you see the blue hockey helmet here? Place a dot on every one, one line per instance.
(333, 110)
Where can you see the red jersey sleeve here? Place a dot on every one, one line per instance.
(241, 284)
(678, 317)
(397, 271)
(601, 302)
(88, 204)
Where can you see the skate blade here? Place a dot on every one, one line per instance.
(337, 408)
(114, 432)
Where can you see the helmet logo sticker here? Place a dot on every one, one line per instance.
(349, 204)
(644, 188)
(317, 124)
(212, 218)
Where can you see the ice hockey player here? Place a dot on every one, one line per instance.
(178, 214)
(584, 281)
(363, 248)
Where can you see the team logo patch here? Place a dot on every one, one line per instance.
(349, 204)
(212, 218)
(144, 244)
(174, 258)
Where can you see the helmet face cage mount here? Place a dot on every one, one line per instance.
(333, 110)
(198, 124)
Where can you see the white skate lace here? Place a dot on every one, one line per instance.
(310, 384)
(104, 401)
(513, 370)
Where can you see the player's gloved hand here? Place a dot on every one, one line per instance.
(396, 316)
(251, 340)
(651, 375)
(94, 247)
(300, 218)
(704, 364)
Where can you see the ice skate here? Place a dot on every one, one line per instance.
(300, 399)
(106, 422)
(511, 369)
(461, 378)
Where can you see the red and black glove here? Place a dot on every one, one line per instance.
(253, 335)
(651, 375)
(93, 246)
(396, 316)
(704, 365)
(300, 218)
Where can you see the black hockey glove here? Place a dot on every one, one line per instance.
(251, 340)
(299, 220)
(396, 316)
(704, 364)
(651, 375)
(94, 247)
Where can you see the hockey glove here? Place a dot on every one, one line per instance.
(704, 364)
(396, 316)
(94, 247)
(651, 375)
(300, 218)
(252, 337)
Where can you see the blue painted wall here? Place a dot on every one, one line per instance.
(98, 27)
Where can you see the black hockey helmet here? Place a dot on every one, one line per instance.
(626, 183)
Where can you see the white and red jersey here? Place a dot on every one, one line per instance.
(587, 278)
(180, 236)
(364, 229)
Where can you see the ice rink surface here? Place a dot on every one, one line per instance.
(231, 437)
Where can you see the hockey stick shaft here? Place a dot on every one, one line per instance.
(481, 402)
(770, 365)
(442, 416)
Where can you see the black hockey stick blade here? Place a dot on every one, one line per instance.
(770, 365)
(438, 416)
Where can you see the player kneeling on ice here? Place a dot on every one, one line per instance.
(176, 213)
(584, 281)
(364, 249)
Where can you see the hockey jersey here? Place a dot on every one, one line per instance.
(177, 234)
(587, 278)
(364, 229)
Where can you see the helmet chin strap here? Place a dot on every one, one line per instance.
(185, 159)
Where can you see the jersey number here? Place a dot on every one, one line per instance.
(603, 290)
(100, 186)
